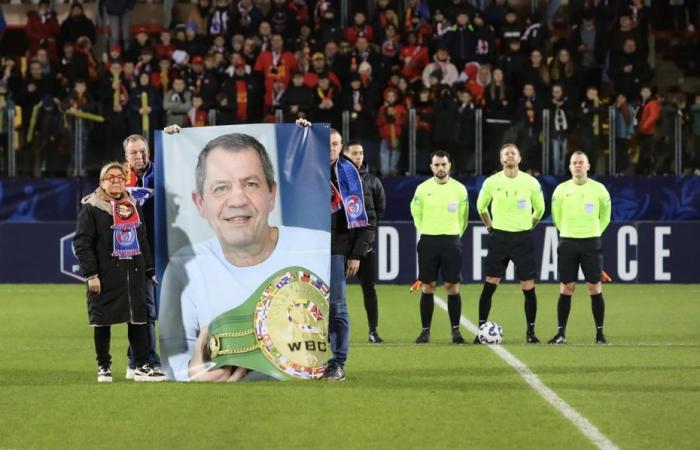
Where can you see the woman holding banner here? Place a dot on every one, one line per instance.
(111, 246)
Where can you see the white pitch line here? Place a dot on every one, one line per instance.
(584, 425)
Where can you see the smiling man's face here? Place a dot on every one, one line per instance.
(236, 199)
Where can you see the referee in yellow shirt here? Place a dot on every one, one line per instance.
(581, 212)
(440, 209)
(517, 204)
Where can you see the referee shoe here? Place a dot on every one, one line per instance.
(457, 337)
(558, 339)
(530, 338)
(424, 337)
(600, 339)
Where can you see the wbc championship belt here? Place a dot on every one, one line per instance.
(281, 330)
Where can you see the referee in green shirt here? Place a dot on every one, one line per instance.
(440, 209)
(581, 212)
(517, 204)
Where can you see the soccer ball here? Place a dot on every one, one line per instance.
(490, 333)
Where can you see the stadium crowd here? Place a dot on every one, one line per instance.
(240, 61)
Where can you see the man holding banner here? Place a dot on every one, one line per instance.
(253, 297)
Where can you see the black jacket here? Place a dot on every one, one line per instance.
(375, 202)
(353, 243)
(123, 281)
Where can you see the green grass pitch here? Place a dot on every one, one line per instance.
(642, 391)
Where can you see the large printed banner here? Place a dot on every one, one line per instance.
(243, 251)
(644, 252)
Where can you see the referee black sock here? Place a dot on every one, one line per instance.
(563, 310)
(485, 301)
(427, 304)
(598, 308)
(530, 309)
(454, 309)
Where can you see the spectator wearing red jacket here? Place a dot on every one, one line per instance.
(414, 57)
(391, 119)
(359, 27)
(42, 30)
(318, 66)
(275, 63)
(648, 117)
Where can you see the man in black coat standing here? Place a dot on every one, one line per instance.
(375, 205)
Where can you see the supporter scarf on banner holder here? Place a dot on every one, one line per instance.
(349, 194)
(126, 220)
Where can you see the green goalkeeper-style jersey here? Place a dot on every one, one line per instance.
(440, 208)
(515, 202)
(581, 211)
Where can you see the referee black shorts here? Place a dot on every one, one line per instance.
(586, 252)
(442, 254)
(516, 246)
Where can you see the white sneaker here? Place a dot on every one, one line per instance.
(104, 374)
(130, 373)
(148, 372)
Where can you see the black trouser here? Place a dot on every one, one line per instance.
(138, 338)
(366, 276)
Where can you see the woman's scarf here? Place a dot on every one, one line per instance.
(126, 220)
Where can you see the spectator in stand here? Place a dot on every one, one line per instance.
(630, 70)
(513, 61)
(526, 134)
(562, 70)
(129, 75)
(477, 85)
(146, 63)
(485, 40)
(246, 18)
(497, 118)
(299, 99)
(80, 100)
(76, 25)
(283, 19)
(250, 51)
(648, 116)
(363, 53)
(390, 47)
(219, 21)
(42, 30)
(535, 34)
(72, 66)
(176, 103)
(46, 139)
(140, 42)
(359, 27)
(278, 93)
(445, 116)
(199, 15)
(461, 41)
(510, 28)
(391, 119)
(225, 112)
(277, 63)
(328, 27)
(413, 58)
(207, 80)
(245, 93)
(589, 123)
(495, 14)
(619, 35)
(327, 102)
(114, 55)
(145, 107)
(318, 67)
(440, 26)
(165, 47)
(528, 100)
(118, 14)
(264, 36)
(464, 153)
(591, 45)
(31, 90)
(417, 18)
(624, 132)
(197, 116)
(441, 69)
(639, 14)
(114, 97)
(561, 121)
(535, 73)
(195, 44)
(424, 129)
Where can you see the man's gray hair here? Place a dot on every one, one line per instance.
(133, 138)
(234, 142)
